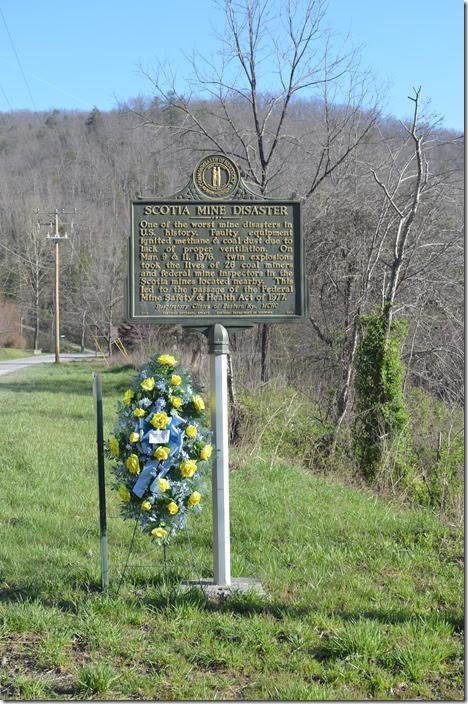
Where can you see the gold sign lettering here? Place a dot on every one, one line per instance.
(215, 260)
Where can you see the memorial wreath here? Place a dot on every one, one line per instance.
(160, 448)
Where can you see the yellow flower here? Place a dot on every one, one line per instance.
(188, 468)
(160, 420)
(172, 508)
(134, 437)
(198, 402)
(113, 445)
(128, 395)
(146, 506)
(133, 464)
(139, 412)
(205, 452)
(194, 498)
(191, 431)
(176, 402)
(176, 380)
(161, 453)
(159, 532)
(167, 360)
(163, 485)
(147, 384)
(124, 493)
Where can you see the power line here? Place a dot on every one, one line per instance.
(20, 256)
(18, 59)
(5, 96)
(87, 103)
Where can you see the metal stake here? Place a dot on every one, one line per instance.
(218, 342)
(97, 391)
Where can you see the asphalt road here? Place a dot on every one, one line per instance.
(14, 365)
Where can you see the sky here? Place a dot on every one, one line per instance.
(85, 53)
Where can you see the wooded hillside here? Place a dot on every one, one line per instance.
(382, 203)
(97, 162)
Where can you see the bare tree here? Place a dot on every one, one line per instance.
(244, 102)
(393, 242)
(34, 267)
(409, 188)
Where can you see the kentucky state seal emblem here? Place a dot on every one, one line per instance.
(216, 176)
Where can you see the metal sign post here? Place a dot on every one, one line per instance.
(218, 346)
(97, 392)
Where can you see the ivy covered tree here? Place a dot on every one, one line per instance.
(381, 418)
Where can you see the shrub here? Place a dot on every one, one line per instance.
(282, 422)
(437, 443)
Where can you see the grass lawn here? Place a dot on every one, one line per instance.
(364, 598)
(7, 353)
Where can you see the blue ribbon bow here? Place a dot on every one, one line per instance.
(150, 472)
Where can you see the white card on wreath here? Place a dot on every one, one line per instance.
(157, 436)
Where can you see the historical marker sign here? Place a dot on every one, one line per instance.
(216, 252)
(215, 255)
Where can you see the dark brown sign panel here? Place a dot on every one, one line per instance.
(235, 262)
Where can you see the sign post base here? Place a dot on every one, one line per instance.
(218, 592)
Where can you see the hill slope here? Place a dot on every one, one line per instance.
(364, 599)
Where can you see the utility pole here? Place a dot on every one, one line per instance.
(57, 234)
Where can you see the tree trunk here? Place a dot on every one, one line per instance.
(36, 334)
(36, 318)
(236, 415)
(265, 351)
(230, 381)
(343, 397)
(109, 338)
(83, 332)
